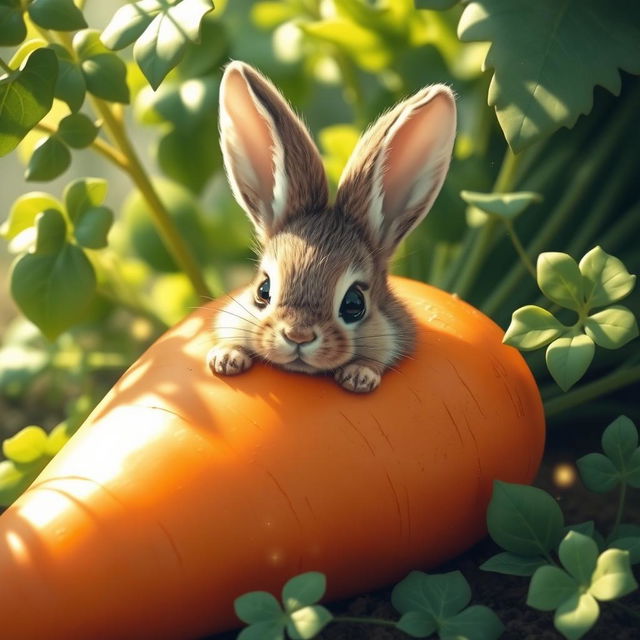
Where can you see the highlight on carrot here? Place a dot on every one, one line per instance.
(184, 490)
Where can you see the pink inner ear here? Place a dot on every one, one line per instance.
(416, 149)
(253, 133)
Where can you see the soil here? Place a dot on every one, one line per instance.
(506, 595)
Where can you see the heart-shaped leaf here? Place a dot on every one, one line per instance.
(50, 158)
(258, 606)
(307, 622)
(61, 15)
(77, 130)
(631, 545)
(598, 472)
(532, 327)
(417, 624)
(92, 227)
(474, 623)
(304, 589)
(560, 280)
(503, 205)
(568, 358)
(619, 441)
(576, 615)
(549, 588)
(512, 564)
(26, 97)
(82, 194)
(70, 84)
(606, 279)
(578, 554)
(267, 630)
(13, 30)
(613, 577)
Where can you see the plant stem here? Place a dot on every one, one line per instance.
(357, 620)
(526, 260)
(616, 380)
(5, 66)
(172, 239)
(621, 499)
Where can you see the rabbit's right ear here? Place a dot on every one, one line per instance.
(273, 166)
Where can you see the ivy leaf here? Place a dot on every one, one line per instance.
(92, 227)
(13, 30)
(576, 615)
(129, 22)
(568, 358)
(598, 472)
(512, 564)
(307, 622)
(26, 446)
(83, 193)
(50, 158)
(613, 577)
(532, 327)
(536, 87)
(54, 291)
(303, 590)
(258, 606)
(503, 205)
(163, 42)
(26, 97)
(524, 520)
(578, 554)
(70, 85)
(549, 588)
(606, 279)
(77, 130)
(560, 280)
(619, 442)
(417, 624)
(474, 623)
(60, 15)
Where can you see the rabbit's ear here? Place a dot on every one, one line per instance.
(398, 166)
(272, 164)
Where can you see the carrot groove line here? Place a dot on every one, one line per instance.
(453, 421)
(397, 503)
(466, 386)
(286, 497)
(362, 436)
(171, 542)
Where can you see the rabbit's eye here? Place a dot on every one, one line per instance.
(352, 307)
(263, 296)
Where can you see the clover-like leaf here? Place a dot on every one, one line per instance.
(598, 473)
(503, 205)
(474, 623)
(606, 279)
(61, 15)
(560, 279)
(27, 445)
(568, 358)
(630, 544)
(307, 622)
(612, 327)
(163, 43)
(585, 528)
(536, 87)
(77, 130)
(303, 590)
(83, 193)
(13, 30)
(258, 606)
(620, 441)
(50, 158)
(532, 327)
(550, 587)
(576, 615)
(26, 97)
(613, 577)
(129, 22)
(513, 564)
(578, 554)
(267, 630)
(524, 520)
(441, 595)
(417, 624)
(92, 227)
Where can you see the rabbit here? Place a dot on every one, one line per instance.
(320, 301)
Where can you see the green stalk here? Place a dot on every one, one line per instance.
(5, 66)
(526, 261)
(617, 379)
(354, 619)
(620, 510)
(585, 175)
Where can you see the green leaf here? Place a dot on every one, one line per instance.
(268, 630)
(576, 615)
(70, 85)
(537, 88)
(51, 232)
(613, 577)
(549, 588)
(612, 328)
(25, 50)
(619, 441)
(129, 22)
(24, 211)
(474, 623)
(54, 291)
(532, 327)
(560, 280)
(13, 480)
(512, 564)
(504, 205)
(258, 606)
(13, 30)
(92, 227)
(83, 193)
(606, 279)
(598, 472)
(77, 130)
(61, 15)
(163, 43)
(303, 590)
(26, 97)
(524, 520)
(568, 358)
(417, 624)
(629, 544)
(307, 622)
(58, 437)
(440, 595)
(26, 446)
(585, 528)
(50, 158)
(104, 72)
(578, 554)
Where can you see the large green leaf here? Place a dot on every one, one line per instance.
(49, 159)
(70, 84)
(26, 97)
(576, 615)
(549, 588)
(24, 211)
(612, 328)
(13, 30)
(304, 589)
(77, 130)
(568, 359)
(61, 15)
(163, 42)
(606, 279)
(532, 327)
(129, 22)
(548, 56)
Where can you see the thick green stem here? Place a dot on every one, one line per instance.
(526, 260)
(621, 500)
(618, 379)
(357, 620)
(172, 239)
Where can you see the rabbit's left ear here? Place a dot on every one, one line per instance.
(398, 166)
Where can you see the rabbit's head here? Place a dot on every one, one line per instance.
(320, 297)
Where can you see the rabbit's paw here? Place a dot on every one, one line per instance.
(228, 361)
(357, 377)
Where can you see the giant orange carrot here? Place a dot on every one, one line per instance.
(184, 490)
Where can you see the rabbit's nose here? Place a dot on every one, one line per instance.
(299, 335)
